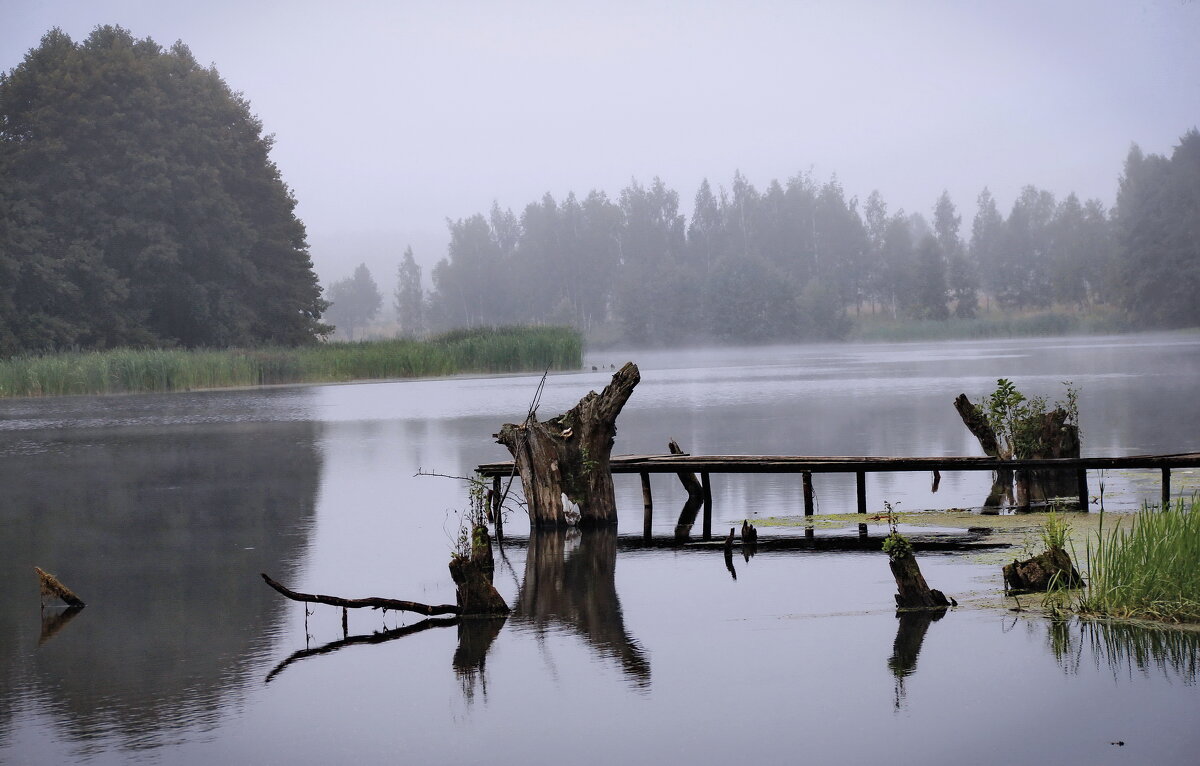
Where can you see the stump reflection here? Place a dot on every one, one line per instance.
(570, 583)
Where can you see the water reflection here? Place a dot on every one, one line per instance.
(1126, 648)
(570, 583)
(910, 633)
(161, 530)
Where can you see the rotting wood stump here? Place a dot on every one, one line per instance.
(912, 592)
(568, 455)
(1050, 569)
(1057, 439)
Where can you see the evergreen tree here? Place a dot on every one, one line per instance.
(410, 297)
(142, 205)
(1158, 235)
(354, 301)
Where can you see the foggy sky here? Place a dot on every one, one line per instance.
(391, 117)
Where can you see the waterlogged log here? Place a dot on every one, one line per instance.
(569, 455)
(51, 587)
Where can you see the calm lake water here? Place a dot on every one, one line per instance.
(162, 510)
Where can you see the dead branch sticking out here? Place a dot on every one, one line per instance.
(372, 602)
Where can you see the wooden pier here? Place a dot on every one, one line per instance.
(706, 465)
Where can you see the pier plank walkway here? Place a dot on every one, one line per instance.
(858, 465)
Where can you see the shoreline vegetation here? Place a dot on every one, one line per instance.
(498, 350)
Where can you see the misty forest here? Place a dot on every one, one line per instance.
(246, 470)
(141, 208)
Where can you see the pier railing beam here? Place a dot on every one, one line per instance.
(704, 482)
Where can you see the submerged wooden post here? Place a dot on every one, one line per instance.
(647, 505)
(1166, 486)
(860, 480)
(808, 493)
(497, 511)
(704, 482)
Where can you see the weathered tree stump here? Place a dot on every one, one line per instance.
(1056, 438)
(912, 592)
(569, 455)
(1052, 568)
(473, 575)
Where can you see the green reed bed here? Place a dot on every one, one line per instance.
(1148, 568)
(1042, 324)
(128, 370)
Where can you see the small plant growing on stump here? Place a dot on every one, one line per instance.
(912, 592)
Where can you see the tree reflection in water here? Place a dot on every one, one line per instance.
(570, 583)
(1127, 648)
(910, 633)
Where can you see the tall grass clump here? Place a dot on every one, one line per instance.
(491, 350)
(1150, 570)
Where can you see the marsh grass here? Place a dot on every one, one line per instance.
(1148, 568)
(499, 350)
(996, 325)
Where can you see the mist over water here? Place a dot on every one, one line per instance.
(160, 511)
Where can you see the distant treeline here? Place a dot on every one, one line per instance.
(801, 259)
(129, 371)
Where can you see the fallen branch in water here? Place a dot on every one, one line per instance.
(51, 587)
(374, 602)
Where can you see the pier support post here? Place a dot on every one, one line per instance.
(808, 494)
(860, 480)
(647, 506)
(704, 482)
(1166, 486)
(1081, 480)
(497, 513)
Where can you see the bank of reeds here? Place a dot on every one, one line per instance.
(516, 349)
(1148, 568)
(1040, 324)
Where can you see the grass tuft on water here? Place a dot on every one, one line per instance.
(1148, 570)
(490, 350)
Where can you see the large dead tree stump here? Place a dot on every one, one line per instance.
(1056, 438)
(569, 455)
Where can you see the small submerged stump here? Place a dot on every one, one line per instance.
(52, 588)
(912, 592)
(1050, 569)
(472, 574)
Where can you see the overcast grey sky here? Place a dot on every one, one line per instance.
(391, 117)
